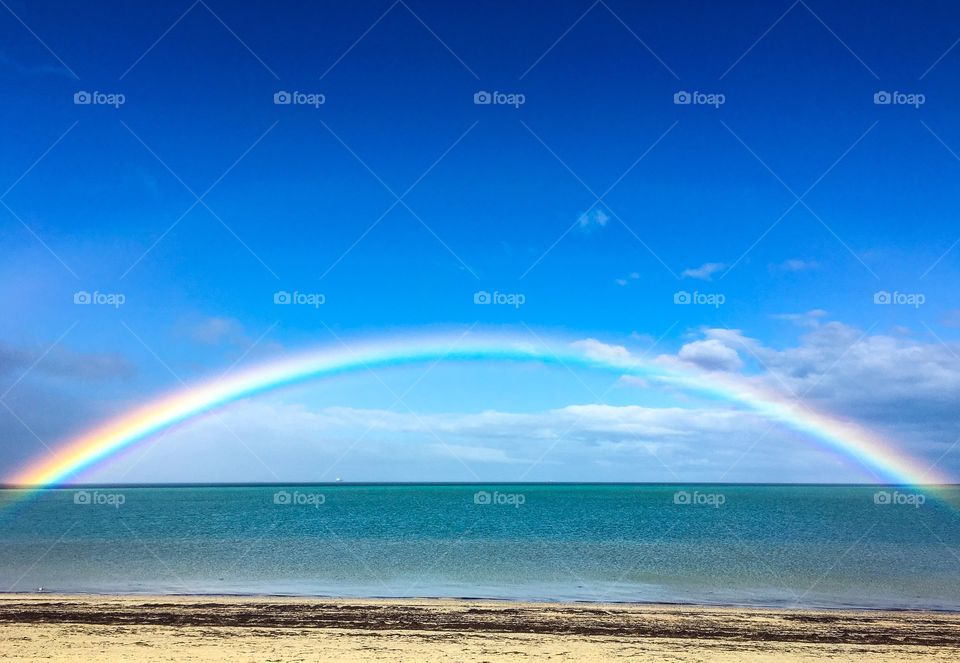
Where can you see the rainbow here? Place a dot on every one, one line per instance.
(866, 448)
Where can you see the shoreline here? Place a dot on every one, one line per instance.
(151, 628)
(654, 620)
(495, 600)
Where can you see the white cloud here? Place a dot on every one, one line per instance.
(376, 444)
(215, 331)
(229, 336)
(634, 381)
(593, 218)
(600, 350)
(704, 272)
(60, 361)
(711, 355)
(795, 265)
(476, 453)
(905, 386)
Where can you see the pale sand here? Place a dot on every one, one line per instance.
(147, 629)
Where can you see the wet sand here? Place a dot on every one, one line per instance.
(145, 628)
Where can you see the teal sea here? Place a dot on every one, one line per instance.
(805, 546)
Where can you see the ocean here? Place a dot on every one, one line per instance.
(764, 545)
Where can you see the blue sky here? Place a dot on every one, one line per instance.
(597, 200)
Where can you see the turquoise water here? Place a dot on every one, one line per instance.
(823, 546)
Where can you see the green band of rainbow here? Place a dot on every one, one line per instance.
(84, 452)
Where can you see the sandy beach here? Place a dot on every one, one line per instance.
(147, 628)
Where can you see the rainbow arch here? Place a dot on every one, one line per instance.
(87, 450)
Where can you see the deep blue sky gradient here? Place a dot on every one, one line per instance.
(800, 99)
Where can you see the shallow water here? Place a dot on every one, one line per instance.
(820, 546)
